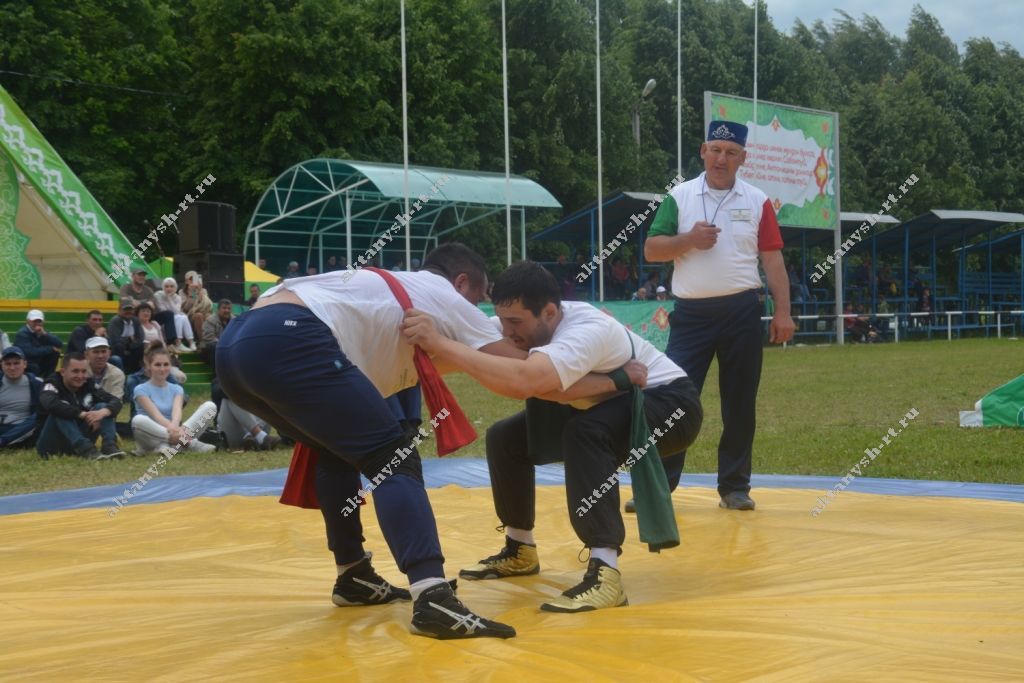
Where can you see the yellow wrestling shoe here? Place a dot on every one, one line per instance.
(601, 587)
(515, 559)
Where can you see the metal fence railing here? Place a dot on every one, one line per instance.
(911, 324)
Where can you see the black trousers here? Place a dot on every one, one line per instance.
(594, 443)
(729, 327)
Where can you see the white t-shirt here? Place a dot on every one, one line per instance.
(587, 340)
(747, 220)
(365, 318)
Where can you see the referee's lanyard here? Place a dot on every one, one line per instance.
(705, 206)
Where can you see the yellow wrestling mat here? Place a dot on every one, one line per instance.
(238, 588)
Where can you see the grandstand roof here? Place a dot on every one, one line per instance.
(343, 206)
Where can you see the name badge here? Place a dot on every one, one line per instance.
(740, 214)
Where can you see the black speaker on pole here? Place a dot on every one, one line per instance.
(223, 274)
(207, 226)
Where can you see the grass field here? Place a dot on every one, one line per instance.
(819, 407)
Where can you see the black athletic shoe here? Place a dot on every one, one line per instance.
(361, 585)
(439, 614)
(112, 451)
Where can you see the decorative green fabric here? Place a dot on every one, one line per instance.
(19, 279)
(61, 189)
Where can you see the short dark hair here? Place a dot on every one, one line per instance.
(528, 282)
(225, 301)
(92, 313)
(72, 355)
(453, 258)
(144, 305)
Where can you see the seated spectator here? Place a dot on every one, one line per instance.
(213, 328)
(167, 300)
(293, 270)
(661, 294)
(416, 263)
(883, 308)
(254, 294)
(262, 264)
(126, 337)
(239, 428)
(620, 281)
(142, 375)
(640, 294)
(886, 282)
(331, 265)
(925, 304)
(93, 327)
(857, 326)
(151, 332)
(195, 302)
(137, 290)
(42, 349)
(19, 401)
(798, 291)
(311, 270)
(77, 411)
(564, 276)
(158, 411)
(653, 281)
(107, 376)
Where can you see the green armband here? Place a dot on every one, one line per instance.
(621, 379)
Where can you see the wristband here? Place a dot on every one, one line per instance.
(621, 380)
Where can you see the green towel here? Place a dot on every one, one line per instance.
(654, 512)
(655, 515)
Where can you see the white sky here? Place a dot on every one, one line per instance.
(998, 20)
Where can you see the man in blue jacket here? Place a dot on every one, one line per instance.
(19, 400)
(42, 349)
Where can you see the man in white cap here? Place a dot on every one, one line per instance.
(42, 349)
(107, 376)
(714, 228)
(661, 294)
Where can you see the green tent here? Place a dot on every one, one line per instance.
(1001, 407)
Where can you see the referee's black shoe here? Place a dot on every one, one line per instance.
(439, 614)
(361, 585)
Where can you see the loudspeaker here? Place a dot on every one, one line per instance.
(207, 226)
(223, 274)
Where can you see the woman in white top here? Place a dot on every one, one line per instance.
(152, 331)
(170, 300)
(158, 403)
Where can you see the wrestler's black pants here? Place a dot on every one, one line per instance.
(594, 443)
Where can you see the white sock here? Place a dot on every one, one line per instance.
(520, 535)
(261, 436)
(423, 584)
(610, 556)
(342, 568)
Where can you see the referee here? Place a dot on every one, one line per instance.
(713, 228)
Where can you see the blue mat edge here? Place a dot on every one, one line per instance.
(469, 473)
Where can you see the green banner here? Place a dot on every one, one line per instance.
(792, 156)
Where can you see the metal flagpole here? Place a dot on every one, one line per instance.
(679, 88)
(754, 130)
(405, 151)
(600, 197)
(504, 95)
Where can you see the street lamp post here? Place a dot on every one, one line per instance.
(648, 87)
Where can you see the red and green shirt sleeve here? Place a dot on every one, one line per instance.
(666, 220)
